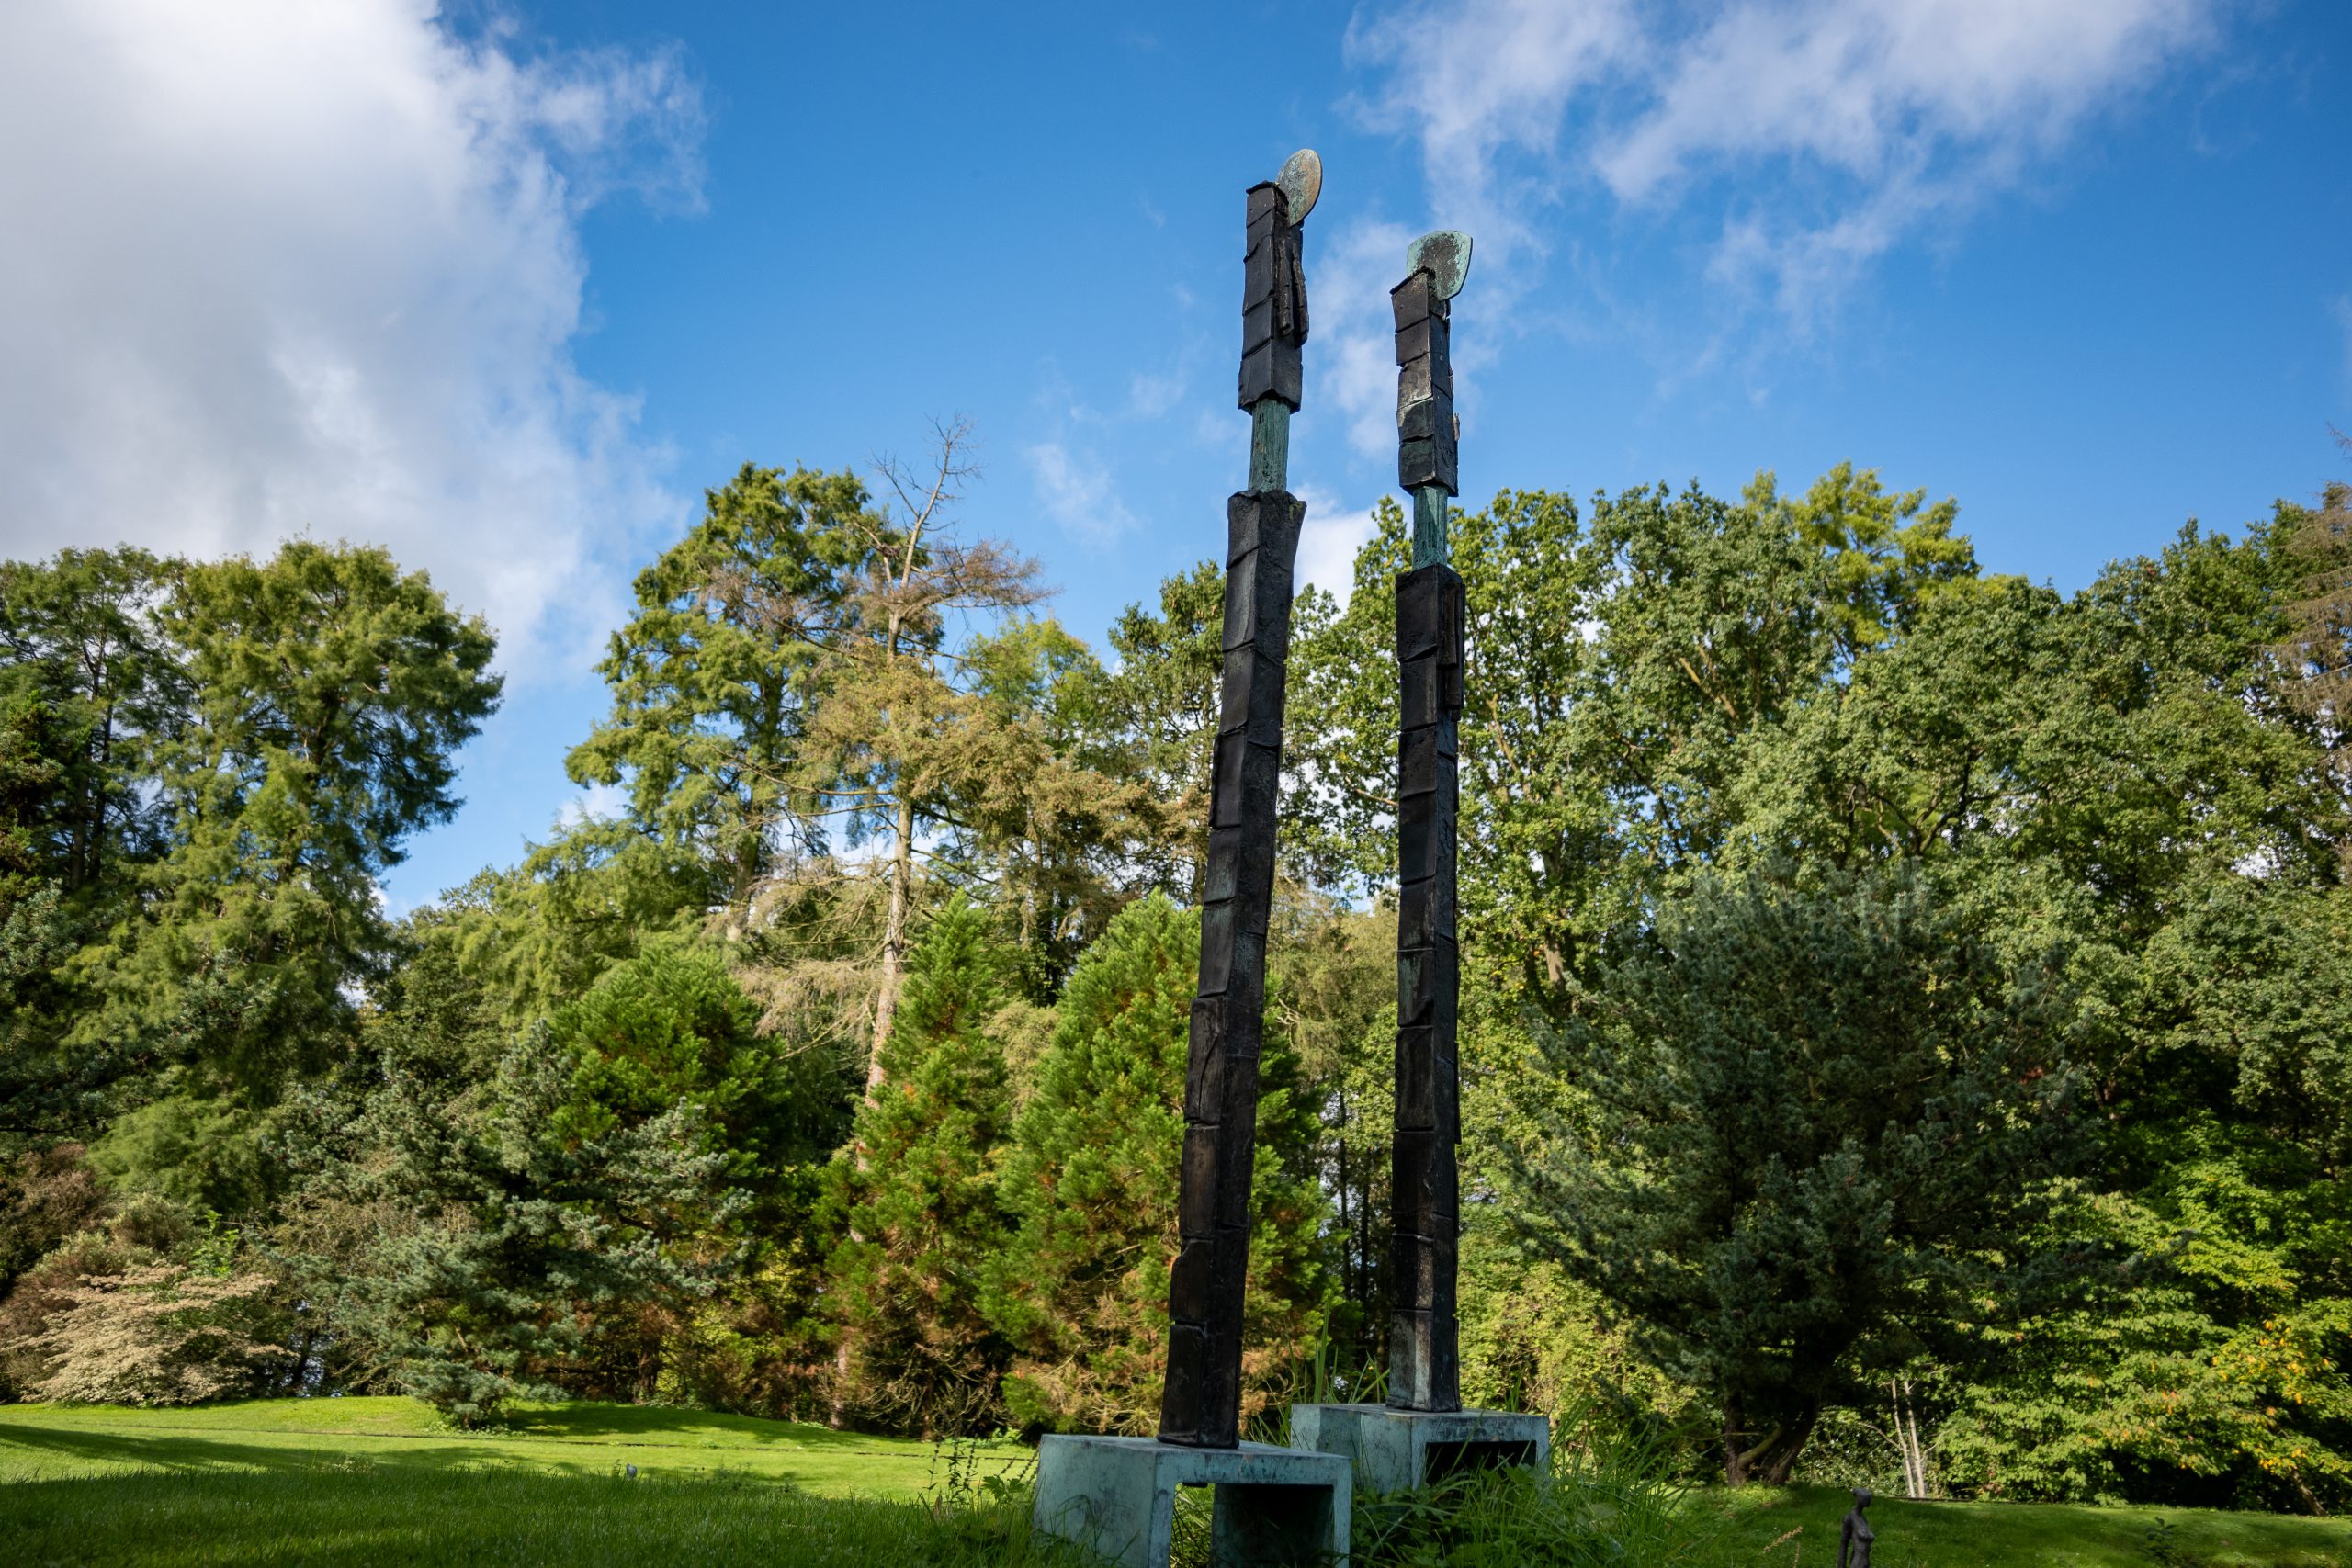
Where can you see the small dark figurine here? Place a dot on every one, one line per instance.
(1854, 1536)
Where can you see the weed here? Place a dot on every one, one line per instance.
(2164, 1548)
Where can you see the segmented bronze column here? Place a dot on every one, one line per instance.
(1423, 1344)
(1200, 1403)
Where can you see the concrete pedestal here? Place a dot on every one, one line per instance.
(1116, 1496)
(1394, 1450)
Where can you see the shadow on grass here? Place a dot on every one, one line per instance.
(394, 1518)
(1798, 1525)
(651, 1424)
(183, 1455)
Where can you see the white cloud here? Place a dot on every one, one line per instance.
(596, 803)
(279, 268)
(1876, 88)
(1895, 113)
(1349, 297)
(1473, 79)
(1152, 394)
(1077, 493)
(1329, 540)
(1854, 124)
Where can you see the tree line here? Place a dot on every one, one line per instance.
(1904, 1025)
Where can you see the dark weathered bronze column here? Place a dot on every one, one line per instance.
(1424, 1371)
(1200, 1403)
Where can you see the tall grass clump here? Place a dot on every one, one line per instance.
(1610, 1497)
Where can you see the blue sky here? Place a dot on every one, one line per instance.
(504, 286)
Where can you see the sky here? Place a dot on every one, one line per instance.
(505, 288)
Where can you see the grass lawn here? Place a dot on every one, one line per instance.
(1798, 1528)
(380, 1482)
(46, 1443)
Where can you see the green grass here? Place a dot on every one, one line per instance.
(394, 1519)
(1798, 1528)
(381, 1483)
(47, 1442)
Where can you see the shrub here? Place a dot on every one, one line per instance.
(159, 1333)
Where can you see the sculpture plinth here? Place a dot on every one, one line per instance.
(1397, 1450)
(1116, 1496)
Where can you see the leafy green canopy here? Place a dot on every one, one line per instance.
(229, 754)
(2128, 774)
(674, 1028)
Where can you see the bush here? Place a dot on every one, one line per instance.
(159, 1333)
(48, 1195)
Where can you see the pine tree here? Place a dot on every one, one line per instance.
(709, 677)
(919, 1189)
(511, 1240)
(1821, 1131)
(1082, 1289)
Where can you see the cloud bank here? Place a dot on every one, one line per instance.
(279, 268)
(1823, 132)
(1079, 493)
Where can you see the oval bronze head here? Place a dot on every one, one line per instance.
(1445, 256)
(1861, 1496)
(1301, 182)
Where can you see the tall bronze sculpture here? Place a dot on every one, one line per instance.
(1200, 1403)
(1424, 1371)
(1116, 1495)
(1421, 1431)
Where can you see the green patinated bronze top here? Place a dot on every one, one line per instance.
(1301, 182)
(1445, 256)
(1430, 545)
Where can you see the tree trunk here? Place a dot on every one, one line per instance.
(1771, 1461)
(886, 1012)
(894, 939)
(1782, 1464)
(1906, 1436)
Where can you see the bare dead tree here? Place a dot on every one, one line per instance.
(919, 574)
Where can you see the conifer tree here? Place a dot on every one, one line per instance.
(511, 1240)
(709, 677)
(919, 1189)
(1082, 1289)
(1821, 1125)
